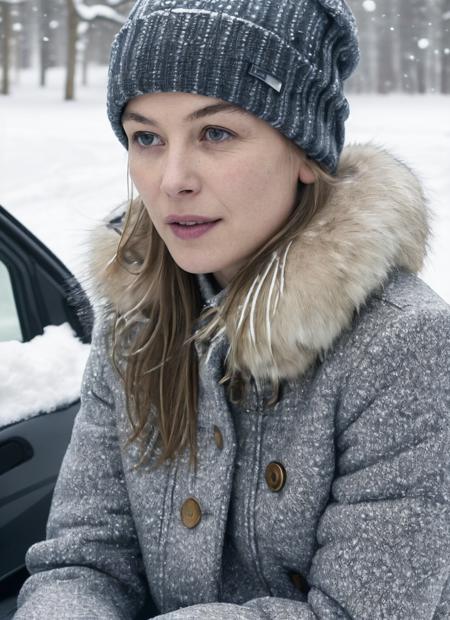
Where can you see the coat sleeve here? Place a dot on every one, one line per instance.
(90, 564)
(384, 537)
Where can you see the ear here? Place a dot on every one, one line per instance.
(305, 173)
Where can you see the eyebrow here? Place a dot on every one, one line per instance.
(207, 111)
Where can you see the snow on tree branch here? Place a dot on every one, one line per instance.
(95, 11)
(116, 2)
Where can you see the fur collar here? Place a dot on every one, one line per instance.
(374, 221)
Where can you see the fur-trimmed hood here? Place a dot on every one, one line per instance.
(377, 219)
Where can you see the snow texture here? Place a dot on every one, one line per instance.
(89, 13)
(42, 374)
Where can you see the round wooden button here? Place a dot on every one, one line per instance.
(300, 582)
(191, 513)
(275, 476)
(218, 437)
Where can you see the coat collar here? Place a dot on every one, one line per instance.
(375, 221)
(210, 295)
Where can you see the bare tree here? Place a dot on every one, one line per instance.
(72, 26)
(363, 80)
(6, 39)
(405, 45)
(79, 12)
(445, 48)
(5, 8)
(83, 42)
(414, 44)
(44, 40)
(387, 46)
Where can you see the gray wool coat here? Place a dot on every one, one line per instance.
(331, 504)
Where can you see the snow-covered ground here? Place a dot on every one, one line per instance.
(62, 169)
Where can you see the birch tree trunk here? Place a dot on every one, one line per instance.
(6, 45)
(44, 42)
(386, 26)
(72, 25)
(445, 48)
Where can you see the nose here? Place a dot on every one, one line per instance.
(179, 175)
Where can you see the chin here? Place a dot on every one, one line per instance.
(196, 262)
(194, 267)
(200, 267)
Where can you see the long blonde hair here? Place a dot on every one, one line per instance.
(153, 343)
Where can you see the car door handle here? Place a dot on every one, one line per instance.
(13, 452)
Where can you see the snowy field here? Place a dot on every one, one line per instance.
(62, 169)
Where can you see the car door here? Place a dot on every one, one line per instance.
(36, 291)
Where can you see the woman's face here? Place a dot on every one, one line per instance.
(225, 165)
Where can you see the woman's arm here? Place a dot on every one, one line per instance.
(90, 565)
(384, 538)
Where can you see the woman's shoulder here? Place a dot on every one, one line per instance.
(405, 319)
(395, 358)
(410, 294)
(405, 304)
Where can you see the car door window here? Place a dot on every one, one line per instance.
(9, 319)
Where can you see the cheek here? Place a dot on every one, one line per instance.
(138, 173)
(259, 186)
(143, 181)
(245, 183)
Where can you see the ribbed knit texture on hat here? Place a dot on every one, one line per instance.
(283, 60)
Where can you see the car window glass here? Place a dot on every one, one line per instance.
(9, 320)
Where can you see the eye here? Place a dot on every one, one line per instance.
(216, 132)
(144, 138)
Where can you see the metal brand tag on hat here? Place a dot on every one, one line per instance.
(265, 77)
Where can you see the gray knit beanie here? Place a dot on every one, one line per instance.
(283, 60)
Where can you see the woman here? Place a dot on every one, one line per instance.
(264, 422)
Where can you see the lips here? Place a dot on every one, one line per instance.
(191, 224)
(186, 219)
(193, 231)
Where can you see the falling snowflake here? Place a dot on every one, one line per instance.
(369, 6)
(53, 24)
(423, 44)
